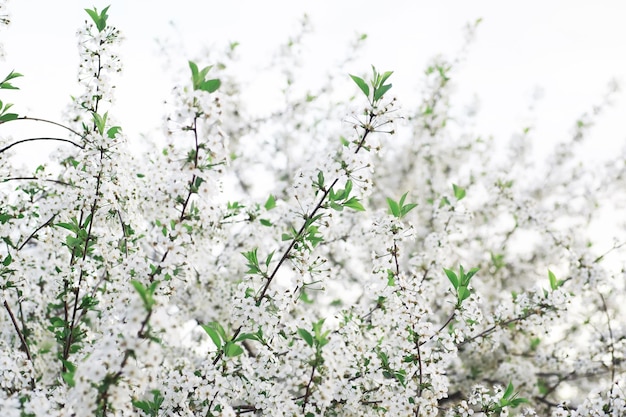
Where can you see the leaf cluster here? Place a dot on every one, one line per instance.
(199, 80)
(229, 345)
(398, 209)
(377, 82)
(461, 282)
(99, 19)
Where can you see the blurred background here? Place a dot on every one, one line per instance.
(532, 63)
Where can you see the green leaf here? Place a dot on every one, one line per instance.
(151, 408)
(348, 188)
(232, 350)
(380, 92)
(338, 195)
(141, 290)
(69, 226)
(270, 203)
(213, 334)
(143, 406)
(113, 131)
(304, 334)
(393, 207)
(247, 336)
(199, 81)
(407, 208)
(554, 283)
(265, 222)
(194, 70)
(466, 277)
(459, 192)
(202, 74)
(11, 76)
(99, 19)
(7, 260)
(354, 204)
(253, 261)
(514, 403)
(401, 202)
(385, 76)
(542, 387)
(209, 86)
(7, 117)
(68, 377)
(362, 85)
(320, 179)
(508, 392)
(463, 293)
(452, 277)
(145, 292)
(100, 121)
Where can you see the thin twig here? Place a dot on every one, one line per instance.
(42, 138)
(21, 337)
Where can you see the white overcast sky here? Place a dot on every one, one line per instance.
(569, 50)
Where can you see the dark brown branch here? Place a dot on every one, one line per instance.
(43, 138)
(20, 334)
(47, 223)
(37, 179)
(35, 119)
(307, 217)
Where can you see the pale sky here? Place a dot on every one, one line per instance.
(567, 50)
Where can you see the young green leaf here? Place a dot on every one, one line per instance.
(210, 86)
(459, 192)
(362, 84)
(452, 277)
(150, 407)
(146, 293)
(393, 207)
(100, 121)
(248, 336)
(7, 117)
(113, 131)
(406, 208)
(463, 293)
(5, 84)
(508, 392)
(385, 76)
(194, 70)
(99, 19)
(199, 81)
(232, 350)
(213, 334)
(466, 277)
(354, 204)
(380, 92)
(554, 283)
(270, 203)
(306, 336)
(253, 261)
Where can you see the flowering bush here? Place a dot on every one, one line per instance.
(287, 265)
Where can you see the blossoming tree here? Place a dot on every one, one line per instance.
(394, 268)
